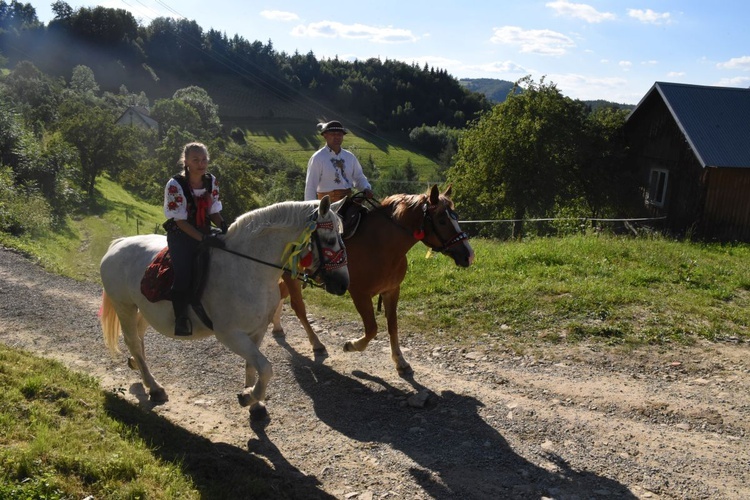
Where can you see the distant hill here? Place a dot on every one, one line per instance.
(493, 89)
(497, 91)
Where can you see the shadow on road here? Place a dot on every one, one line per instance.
(458, 454)
(218, 470)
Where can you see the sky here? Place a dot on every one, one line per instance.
(609, 50)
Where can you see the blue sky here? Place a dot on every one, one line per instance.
(591, 50)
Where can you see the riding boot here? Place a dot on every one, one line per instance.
(182, 325)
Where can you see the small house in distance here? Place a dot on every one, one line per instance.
(690, 147)
(137, 116)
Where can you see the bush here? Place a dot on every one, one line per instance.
(22, 210)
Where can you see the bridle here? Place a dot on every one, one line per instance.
(429, 211)
(328, 259)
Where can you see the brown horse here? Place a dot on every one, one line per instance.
(377, 262)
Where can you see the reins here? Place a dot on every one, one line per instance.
(419, 234)
(304, 277)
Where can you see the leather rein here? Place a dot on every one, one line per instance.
(329, 260)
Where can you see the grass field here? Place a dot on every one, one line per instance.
(62, 437)
(297, 140)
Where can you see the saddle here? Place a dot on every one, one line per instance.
(351, 213)
(156, 284)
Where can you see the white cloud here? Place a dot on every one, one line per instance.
(545, 42)
(626, 65)
(650, 17)
(578, 86)
(505, 67)
(652, 62)
(580, 11)
(742, 63)
(279, 15)
(674, 74)
(333, 29)
(739, 81)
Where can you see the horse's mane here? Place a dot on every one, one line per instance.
(284, 214)
(401, 204)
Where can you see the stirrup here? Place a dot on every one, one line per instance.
(185, 322)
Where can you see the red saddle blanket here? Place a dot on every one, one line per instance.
(156, 283)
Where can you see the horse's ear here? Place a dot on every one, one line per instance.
(434, 195)
(448, 190)
(325, 205)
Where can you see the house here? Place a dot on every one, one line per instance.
(690, 147)
(137, 116)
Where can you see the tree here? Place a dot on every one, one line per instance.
(83, 81)
(198, 99)
(100, 143)
(522, 158)
(176, 113)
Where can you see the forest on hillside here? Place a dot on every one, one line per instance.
(168, 54)
(538, 154)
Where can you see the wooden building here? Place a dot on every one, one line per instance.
(137, 116)
(690, 147)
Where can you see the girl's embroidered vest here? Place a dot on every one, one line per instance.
(193, 204)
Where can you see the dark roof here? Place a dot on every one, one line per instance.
(715, 120)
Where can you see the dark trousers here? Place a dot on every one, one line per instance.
(183, 250)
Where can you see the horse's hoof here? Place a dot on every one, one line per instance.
(349, 346)
(278, 333)
(405, 371)
(132, 364)
(245, 399)
(321, 352)
(158, 395)
(258, 412)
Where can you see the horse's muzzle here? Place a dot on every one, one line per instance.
(463, 255)
(336, 284)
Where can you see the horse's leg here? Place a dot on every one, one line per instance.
(363, 303)
(256, 366)
(133, 330)
(278, 329)
(390, 306)
(298, 306)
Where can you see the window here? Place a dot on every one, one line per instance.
(657, 187)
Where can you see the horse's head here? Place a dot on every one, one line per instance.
(440, 230)
(327, 257)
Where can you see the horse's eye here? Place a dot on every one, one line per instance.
(453, 215)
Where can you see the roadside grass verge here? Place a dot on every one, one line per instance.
(75, 249)
(613, 290)
(62, 437)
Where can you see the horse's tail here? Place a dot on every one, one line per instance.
(110, 323)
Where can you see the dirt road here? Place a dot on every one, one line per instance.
(477, 421)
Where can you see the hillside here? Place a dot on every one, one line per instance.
(495, 90)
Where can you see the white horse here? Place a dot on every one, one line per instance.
(240, 294)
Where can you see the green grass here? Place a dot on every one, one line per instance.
(61, 437)
(613, 290)
(297, 140)
(76, 249)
